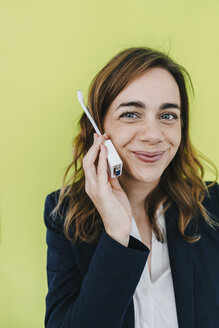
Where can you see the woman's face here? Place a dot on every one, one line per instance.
(145, 117)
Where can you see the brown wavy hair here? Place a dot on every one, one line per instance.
(182, 181)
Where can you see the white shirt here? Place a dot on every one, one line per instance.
(154, 300)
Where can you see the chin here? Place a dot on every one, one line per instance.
(147, 177)
(151, 179)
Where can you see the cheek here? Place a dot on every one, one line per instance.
(179, 137)
(120, 140)
(119, 135)
(175, 137)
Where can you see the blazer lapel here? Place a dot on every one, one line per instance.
(180, 255)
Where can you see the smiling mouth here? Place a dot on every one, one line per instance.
(151, 158)
(149, 154)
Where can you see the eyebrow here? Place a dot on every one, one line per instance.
(140, 104)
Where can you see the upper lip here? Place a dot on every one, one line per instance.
(149, 153)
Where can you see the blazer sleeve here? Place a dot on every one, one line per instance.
(103, 295)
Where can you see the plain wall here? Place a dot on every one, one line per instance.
(49, 49)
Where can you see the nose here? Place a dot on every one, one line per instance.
(151, 131)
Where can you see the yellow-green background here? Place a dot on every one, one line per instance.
(49, 49)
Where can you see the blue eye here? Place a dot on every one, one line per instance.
(171, 114)
(133, 115)
(128, 115)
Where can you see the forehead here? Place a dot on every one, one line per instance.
(155, 86)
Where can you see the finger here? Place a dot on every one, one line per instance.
(92, 153)
(89, 163)
(95, 136)
(106, 136)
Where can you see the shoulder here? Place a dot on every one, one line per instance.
(211, 205)
(214, 189)
(52, 221)
(212, 199)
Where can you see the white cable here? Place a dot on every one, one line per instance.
(81, 101)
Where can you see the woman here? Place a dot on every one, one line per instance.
(140, 250)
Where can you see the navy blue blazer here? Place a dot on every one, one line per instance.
(92, 285)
